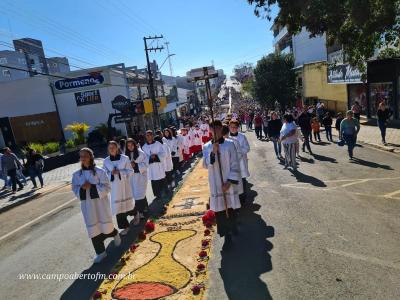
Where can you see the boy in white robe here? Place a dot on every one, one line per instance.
(245, 148)
(139, 178)
(205, 129)
(170, 142)
(185, 142)
(92, 187)
(155, 154)
(226, 225)
(119, 170)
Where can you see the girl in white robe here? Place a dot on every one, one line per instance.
(139, 178)
(156, 173)
(169, 147)
(119, 170)
(230, 177)
(197, 140)
(176, 155)
(92, 187)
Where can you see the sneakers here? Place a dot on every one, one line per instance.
(99, 257)
(117, 240)
(124, 232)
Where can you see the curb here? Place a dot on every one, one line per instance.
(376, 146)
(32, 197)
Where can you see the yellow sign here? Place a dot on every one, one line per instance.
(148, 104)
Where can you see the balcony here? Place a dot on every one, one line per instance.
(282, 33)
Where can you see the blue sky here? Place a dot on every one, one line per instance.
(101, 32)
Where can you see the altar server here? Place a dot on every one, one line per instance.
(197, 139)
(155, 154)
(138, 180)
(170, 141)
(245, 148)
(92, 187)
(119, 170)
(230, 166)
(185, 144)
(167, 161)
(205, 129)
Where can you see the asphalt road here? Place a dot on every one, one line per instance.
(332, 231)
(48, 236)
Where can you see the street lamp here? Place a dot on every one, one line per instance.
(172, 54)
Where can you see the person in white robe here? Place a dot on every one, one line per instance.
(205, 129)
(185, 144)
(226, 225)
(167, 162)
(197, 139)
(245, 149)
(138, 179)
(119, 170)
(176, 155)
(92, 187)
(171, 148)
(156, 172)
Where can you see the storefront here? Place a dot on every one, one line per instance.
(383, 78)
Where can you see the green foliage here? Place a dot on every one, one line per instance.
(47, 148)
(102, 128)
(361, 26)
(248, 87)
(389, 53)
(70, 144)
(275, 80)
(78, 130)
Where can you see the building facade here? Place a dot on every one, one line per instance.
(34, 54)
(58, 65)
(15, 60)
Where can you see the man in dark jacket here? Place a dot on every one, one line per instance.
(304, 122)
(10, 163)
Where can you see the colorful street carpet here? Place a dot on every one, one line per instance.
(170, 258)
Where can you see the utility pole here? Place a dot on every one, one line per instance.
(169, 59)
(156, 121)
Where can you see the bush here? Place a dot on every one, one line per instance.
(95, 137)
(39, 148)
(78, 131)
(70, 144)
(50, 147)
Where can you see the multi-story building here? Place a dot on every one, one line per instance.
(34, 54)
(58, 65)
(13, 60)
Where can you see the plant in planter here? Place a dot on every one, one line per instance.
(78, 131)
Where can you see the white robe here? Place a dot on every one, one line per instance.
(186, 143)
(173, 145)
(230, 171)
(121, 190)
(96, 212)
(238, 186)
(156, 170)
(179, 144)
(245, 148)
(167, 160)
(197, 135)
(139, 180)
(205, 128)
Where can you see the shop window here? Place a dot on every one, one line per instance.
(358, 93)
(380, 92)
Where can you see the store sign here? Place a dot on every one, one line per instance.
(121, 103)
(79, 82)
(87, 97)
(343, 74)
(122, 119)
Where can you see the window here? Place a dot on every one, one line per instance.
(21, 61)
(6, 73)
(3, 60)
(54, 65)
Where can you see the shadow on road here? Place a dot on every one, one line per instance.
(301, 177)
(249, 258)
(370, 164)
(325, 158)
(307, 160)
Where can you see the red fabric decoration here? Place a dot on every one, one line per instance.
(142, 236)
(203, 254)
(201, 267)
(196, 289)
(149, 226)
(133, 247)
(207, 232)
(204, 243)
(96, 295)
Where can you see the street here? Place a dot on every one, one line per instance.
(330, 232)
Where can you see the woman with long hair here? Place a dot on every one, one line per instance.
(177, 156)
(119, 170)
(167, 161)
(383, 113)
(139, 179)
(349, 129)
(92, 187)
(171, 141)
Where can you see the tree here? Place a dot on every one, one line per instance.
(275, 80)
(243, 71)
(389, 53)
(361, 26)
(248, 87)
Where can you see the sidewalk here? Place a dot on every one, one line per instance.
(53, 180)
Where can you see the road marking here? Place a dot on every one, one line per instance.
(368, 259)
(392, 194)
(36, 219)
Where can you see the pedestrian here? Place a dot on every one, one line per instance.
(167, 162)
(327, 122)
(170, 139)
(244, 150)
(222, 152)
(3, 175)
(320, 111)
(119, 170)
(265, 124)
(35, 165)
(274, 129)
(356, 109)
(304, 121)
(11, 164)
(383, 113)
(316, 127)
(258, 123)
(138, 180)
(251, 118)
(92, 187)
(339, 119)
(197, 139)
(185, 145)
(288, 136)
(155, 154)
(349, 129)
